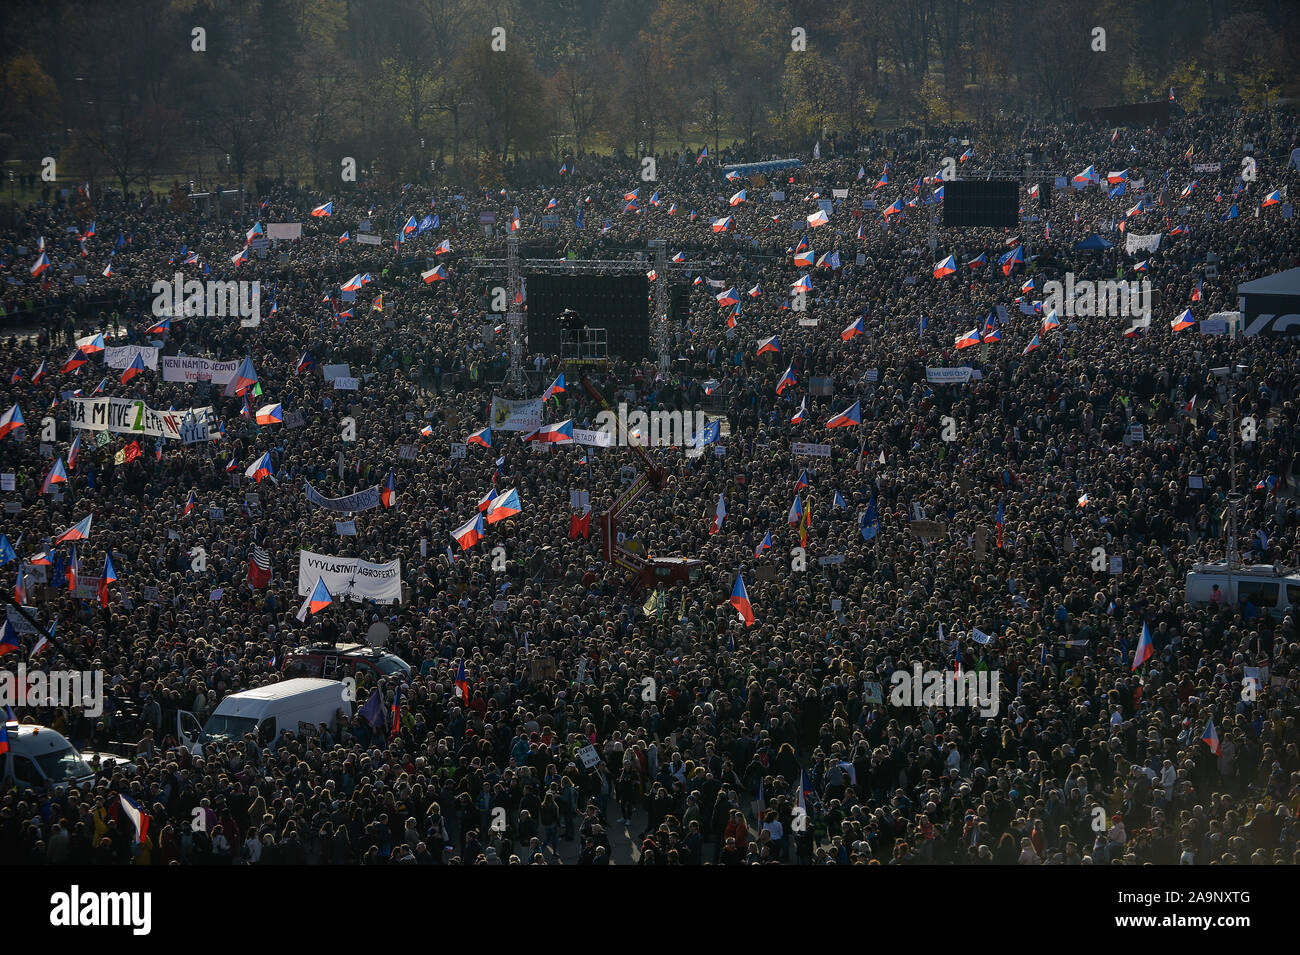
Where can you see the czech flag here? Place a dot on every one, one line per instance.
(851, 415)
(270, 414)
(1211, 737)
(796, 512)
(803, 409)
(972, 337)
(483, 437)
(772, 344)
(978, 262)
(353, 284)
(91, 343)
(316, 601)
(74, 451)
(40, 373)
(469, 533)
(486, 501)
(947, 267)
(722, 225)
(343, 238)
(189, 504)
(160, 328)
(740, 600)
(78, 359)
(763, 545)
(895, 207)
(1145, 648)
(240, 257)
(435, 274)
(818, 218)
(245, 377)
(139, 818)
(12, 422)
(856, 327)
(1184, 320)
(57, 475)
(968, 154)
(679, 257)
(444, 247)
(1272, 199)
(135, 368)
(1083, 501)
(560, 433)
(1088, 175)
(729, 297)
(993, 336)
(41, 264)
(110, 576)
(462, 682)
(804, 284)
(260, 468)
(305, 363)
(79, 531)
(324, 211)
(737, 199)
(1013, 258)
(1033, 343)
(787, 380)
(755, 292)
(9, 643)
(804, 258)
(514, 220)
(506, 504)
(555, 388)
(719, 515)
(388, 496)
(1051, 322)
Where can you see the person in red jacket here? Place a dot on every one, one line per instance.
(737, 829)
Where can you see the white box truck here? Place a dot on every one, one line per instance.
(268, 711)
(1274, 589)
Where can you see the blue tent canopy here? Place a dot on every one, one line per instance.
(762, 168)
(1094, 242)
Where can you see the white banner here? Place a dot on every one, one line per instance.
(330, 372)
(815, 450)
(190, 370)
(593, 439)
(1207, 166)
(124, 416)
(346, 384)
(350, 577)
(1142, 243)
(516, 415)
(121, 356)
(284, 230)
(948, 376)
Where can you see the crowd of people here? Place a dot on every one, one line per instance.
(719, 742)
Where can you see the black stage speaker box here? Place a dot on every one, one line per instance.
(993, 203)
(620, 304)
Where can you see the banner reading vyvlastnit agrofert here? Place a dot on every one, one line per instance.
(350, 577)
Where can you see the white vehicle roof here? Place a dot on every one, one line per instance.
(32, 740)
(258, 701)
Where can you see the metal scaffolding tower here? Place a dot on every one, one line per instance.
(662, 335)
(515, 316)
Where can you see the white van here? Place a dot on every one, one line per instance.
(42, 758)
(293, 705)
(1271, 587)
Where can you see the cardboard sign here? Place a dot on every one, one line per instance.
(542, 668)
(590, 758)
(926, 529)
